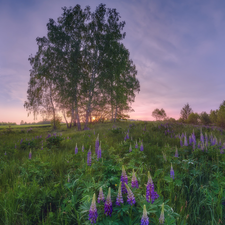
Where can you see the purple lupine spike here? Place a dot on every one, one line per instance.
(99, 155)
(119, 199)
(101, 196)
(151, 194)
(199, 145)
(176, 153)
(127, 137)
(172, 172)
(97, 144)
(190, 139)
(144, 218)
(202, 146)
(162, 218)
(108, 204)
(130, 149)
(30, 155)
(185, 140)
(21, 141)
(136, 145)
(82, 148)
(124, 180)
(130, 196)
(5, 152)
(93, 215)
(141, 147)
(134, 181)
(181, 143)
(76, 149)
(89, 157)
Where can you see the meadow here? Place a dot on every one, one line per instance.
(50, 177)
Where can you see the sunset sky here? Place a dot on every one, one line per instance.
(178, 48)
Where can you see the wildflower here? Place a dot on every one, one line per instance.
(134, 182)
(99, 154)
(89, 157)
(193, 145)
(185, 140)
(30, 155)
(108, 204)
(101, 196)
(76, 149)
(127, 137)
(5, 152)
(93, 211)
(144, 218)
(151, 195)
(176, 153)
(130, 196)
(181, 143)
(136, 145)
(171, 172)
(119, 198)
(130, 149)
(202, 138)
(97, 144)
(124, 180)
(68, 178)
(142, 147)
(21, 141)
(161, 218)
(82, 148)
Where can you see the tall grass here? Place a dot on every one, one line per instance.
(37, 191)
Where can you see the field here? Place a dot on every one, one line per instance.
(45, 179)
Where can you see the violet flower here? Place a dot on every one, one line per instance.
(171, 172)
(99, 153)
(89, 157)
(144, 218)
(130, 149)
(30, 155)
(108, 204)
(82, 148)
(161, 218)
(93, 211)
(134, 182)
(76, 149)
(151, 194)
(130, 196)
(5, 152)
(119, 199)
(97, 144)
(101, 196)
(176, 153)
(124, 180)
(142, 147)
(181, 143)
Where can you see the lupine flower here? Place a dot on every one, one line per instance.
(124, 180)
(127, 137)
(93, 211)
(202, 137)
(142, 147)
(30, 155)
(144, 218)
(161, 218)
(136, 145)
(68, 180)
(185, 140)
(193, 145)
(89, 157)
(5, 152)
(99, 154)
(134, 182)
(119, 198)
(101, 196)
(76, 149)
(181, 143)
(171, 172)
(97, 144)
(130, 196)
(82, 148)
(130, 149)
(151, 194)
(21, 141)
(176, 153)
(108, 204)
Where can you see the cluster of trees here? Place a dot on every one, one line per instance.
(81, 69)
(216, 117)
(7, 123)
(33, 123)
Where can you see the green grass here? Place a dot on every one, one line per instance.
(37, 191)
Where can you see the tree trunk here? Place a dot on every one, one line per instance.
(65, 119)
(77, 114)
(115, 114)
(53, 108)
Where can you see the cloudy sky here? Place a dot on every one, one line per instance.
(178, 48)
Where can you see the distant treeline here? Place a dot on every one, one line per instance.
(33, 123)
(7, 123)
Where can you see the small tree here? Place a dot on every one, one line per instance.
(159, 114)
(193, 118)
(213, 116)
(185, 112)
(204, 118)
(221, 115)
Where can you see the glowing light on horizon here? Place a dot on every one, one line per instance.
(93, 118)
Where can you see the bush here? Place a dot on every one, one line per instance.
(204, 118)
(58, 121)
(193, 118)
(53, 140)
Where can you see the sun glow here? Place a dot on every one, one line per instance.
(93, 118)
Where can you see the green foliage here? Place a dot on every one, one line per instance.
(205, 118)
(185, 112)
(56, 122)
(53, 140)
(159, 114)
(221, 115)
(213, 116)
(193, 118)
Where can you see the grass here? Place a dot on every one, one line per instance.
(37, 191)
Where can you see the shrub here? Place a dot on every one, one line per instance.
(204, 118)
(193, 118)
(53, 140)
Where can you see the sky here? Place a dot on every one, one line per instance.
(178, 48)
